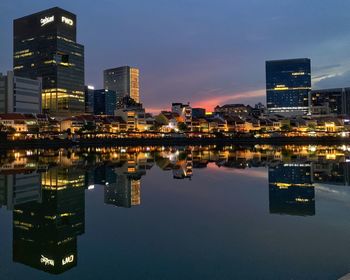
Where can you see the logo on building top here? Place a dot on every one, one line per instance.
(47, 20)
(67, 21)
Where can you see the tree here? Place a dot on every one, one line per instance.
(262, 130)
(285, 127)
(311, 126)
(89, 126)
(10, 129)
(69, 132)
(182, 127)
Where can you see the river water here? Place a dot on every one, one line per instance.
(257, 212)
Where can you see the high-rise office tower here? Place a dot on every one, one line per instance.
(123, 80)
(288, 84)
(45, 46)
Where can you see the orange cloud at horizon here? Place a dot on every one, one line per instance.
(217, 98)
(210, 103)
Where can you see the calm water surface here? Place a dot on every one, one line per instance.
(176, 213)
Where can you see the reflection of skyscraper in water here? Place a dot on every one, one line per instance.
(45, 234)
(290, 190)
(126, 192)
(125, 189)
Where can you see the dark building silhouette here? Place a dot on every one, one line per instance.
(198, 112)
(89, 99)
(333, 102)
(100, 101)
(105, 102)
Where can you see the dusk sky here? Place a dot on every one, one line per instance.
(200, 51)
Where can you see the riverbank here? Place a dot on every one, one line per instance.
(55, 144)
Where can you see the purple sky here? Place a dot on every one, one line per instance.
(201, 51)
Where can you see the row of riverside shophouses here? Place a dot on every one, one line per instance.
(229, 120)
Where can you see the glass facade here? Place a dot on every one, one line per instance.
(89, 99)
(104, 102)
(45, 46)
(288, 84)
(125, 81)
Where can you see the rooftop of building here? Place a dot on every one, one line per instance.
(121, 68)
(236, 105)
(304, 59)
(47, 11)
(17, 116)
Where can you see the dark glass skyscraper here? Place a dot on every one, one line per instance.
(45, 46)
(104, 102)
(288, 84)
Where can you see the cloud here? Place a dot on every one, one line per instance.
(333, 81)
(325, 67)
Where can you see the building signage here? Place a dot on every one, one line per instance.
(68, 259)
(47, 261)
(47, 20)
(67, 21)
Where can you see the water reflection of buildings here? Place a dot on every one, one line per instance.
(331, 173)
(45, 233)
(121, 177)
(17, 189)
(123, 180)
(125, 188)
(290, 190)
(180, 162)
(19, 182)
